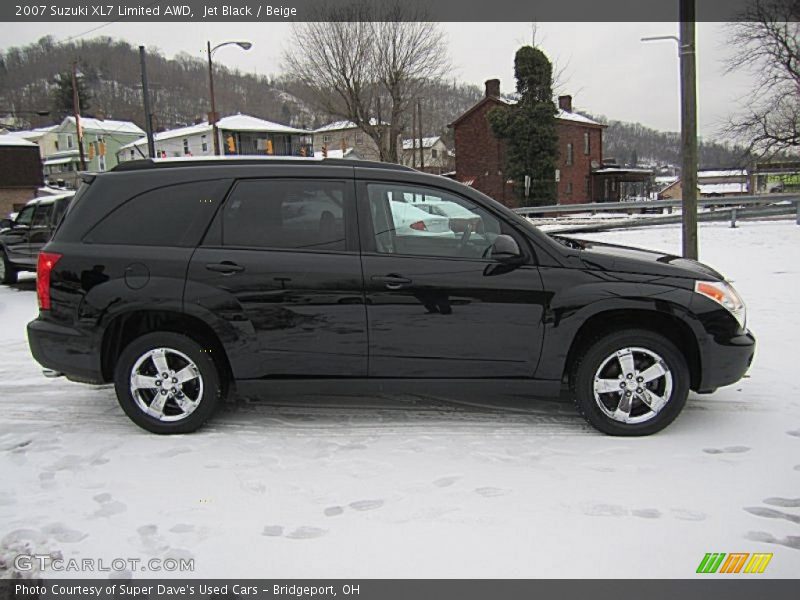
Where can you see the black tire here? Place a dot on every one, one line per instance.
(209, 378)
(8, 274)
(593, 357)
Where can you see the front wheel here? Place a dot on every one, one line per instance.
(167, 383)
(630, 383)
(8, 274)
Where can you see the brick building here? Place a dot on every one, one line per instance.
(480, 156)
(20, 173)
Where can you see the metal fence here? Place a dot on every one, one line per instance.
(720, 209)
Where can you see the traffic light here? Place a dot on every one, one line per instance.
(101, 148)
(269, 147)
(90, 153)
(231, 143)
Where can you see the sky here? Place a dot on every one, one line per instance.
(605, 66)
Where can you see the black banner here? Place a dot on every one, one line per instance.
(316, 10)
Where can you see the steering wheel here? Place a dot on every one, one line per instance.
(464, 238)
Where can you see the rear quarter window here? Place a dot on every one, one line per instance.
(173, 215)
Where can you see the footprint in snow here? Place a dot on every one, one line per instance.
(62, 533)
(790, 541)
(443, 482)
(366, 504)
(306, 533)
(783, 502)
(272, 531)
(646, 513)
(689, 515)
(182, 528)
(727, 450)
(771, 513)
(794, 433)
(490, 492)
(797, 467)
(108, 506)
(333, 511)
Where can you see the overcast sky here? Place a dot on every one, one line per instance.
(605, 66)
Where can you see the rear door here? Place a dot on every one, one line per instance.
(280, 264)
(15, 240)
(41, 228)
(437, 307)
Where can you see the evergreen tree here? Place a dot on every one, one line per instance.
(63, 104)
(529, 128)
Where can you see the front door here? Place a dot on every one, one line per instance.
(15, 239)
(282, 260)
(437, 305)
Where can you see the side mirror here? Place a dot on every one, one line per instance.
(506, 250)
(6, 223)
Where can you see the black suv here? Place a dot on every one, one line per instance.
(184, 280)
(23, 237)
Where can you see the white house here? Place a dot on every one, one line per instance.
(341, 135)
(436, 157)
(238, 135)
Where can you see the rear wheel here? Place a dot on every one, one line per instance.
(8, 274)
(630, 383)
(167, 383)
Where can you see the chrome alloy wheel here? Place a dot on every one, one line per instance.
(166, 384)
(632, 385)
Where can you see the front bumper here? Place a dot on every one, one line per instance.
(65, 350)
(725, 361)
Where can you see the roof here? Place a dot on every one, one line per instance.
(722, 188)
(561, 115)
(723, 173)
(340, 125)
(105, 125)
(32, 134)
(230, 123)
(346, 153)
(427, 142)
(7, 140)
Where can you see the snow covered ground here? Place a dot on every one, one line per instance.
(421, 487)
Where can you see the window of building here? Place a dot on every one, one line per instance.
(568, 190)
(587, 145)
(69, 141)
(359, 138)
(133, 153)
(327, 139)
(587, 184)
(569, 158)
(181, 216)
(434, 153)
(204, 143)
(307, 215)
(185, 146)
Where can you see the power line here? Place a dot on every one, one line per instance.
(93, 29)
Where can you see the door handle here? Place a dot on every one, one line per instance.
(225, 267)
(392, 282)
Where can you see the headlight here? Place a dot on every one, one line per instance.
(723, 293)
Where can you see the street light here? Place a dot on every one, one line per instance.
(213, 118)
(686, 51)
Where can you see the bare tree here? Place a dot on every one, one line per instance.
(367, 63)
(767, 43)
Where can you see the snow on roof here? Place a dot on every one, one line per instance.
(12, 140)
(723, 173)
(347, 153)
(339, 125)
(427, 142)
(230, 123)
(106, 125)
(573, 116)
(722, 188)
(666, 179)
(32, 134)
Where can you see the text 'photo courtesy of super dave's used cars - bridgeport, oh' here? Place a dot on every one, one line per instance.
(186, 281)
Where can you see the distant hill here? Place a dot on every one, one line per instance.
(179, 92)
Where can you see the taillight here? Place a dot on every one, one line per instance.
(418, 226)
(44, 267)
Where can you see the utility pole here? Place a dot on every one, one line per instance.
(76, 108)
(413, 138)
(148, 117)
(688, 127)
(213, 116)
(419, 122)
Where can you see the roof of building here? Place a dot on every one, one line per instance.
(341, 125)
(105, 125)
(561, 115)
(427, 142)
(12, 140)
(346, 153)
(32, 134)
(723, 173)
(230, 123)
(722, 188)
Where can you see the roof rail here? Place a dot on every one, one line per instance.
(194, 161)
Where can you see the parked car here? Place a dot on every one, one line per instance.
(24, 235)
(182, 281)
(458, 216)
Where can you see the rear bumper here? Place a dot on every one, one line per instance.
(726, 361)
(65, 350)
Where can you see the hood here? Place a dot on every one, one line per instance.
(613, 257)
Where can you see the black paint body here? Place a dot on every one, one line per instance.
(330, 315)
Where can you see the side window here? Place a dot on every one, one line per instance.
(173, 215)
(423, 221)
(41, 216)
(25, 216)
(286, 214)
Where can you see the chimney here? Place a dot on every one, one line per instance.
(565, 103)
(492, 88)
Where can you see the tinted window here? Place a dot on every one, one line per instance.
(41, 217)
(59, 209)
(285, 214)
(429, 222)
(167, 216)
(25, 216)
